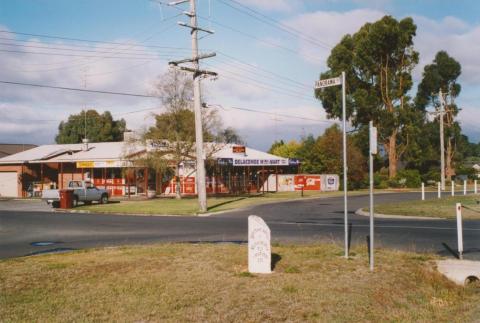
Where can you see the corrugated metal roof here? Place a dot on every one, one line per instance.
(106, 151)
(250, 153)
(73, 153)
(10, 149)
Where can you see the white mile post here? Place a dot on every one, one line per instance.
(459, 230)
(320, 84)
(423, 191)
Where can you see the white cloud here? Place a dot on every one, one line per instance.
(329, 27)
(274, 5)
(104, 70)
(453, 35)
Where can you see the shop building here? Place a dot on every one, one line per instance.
(231, 169)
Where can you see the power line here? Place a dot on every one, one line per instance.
(79, 116)
(145, 47)
(88, 40)
(300, 84)
(79, 90)
(245, 34)
(253, 69)
(144, 53)
(261, 84)
(83, 56)
(274, 23)
(273, 113)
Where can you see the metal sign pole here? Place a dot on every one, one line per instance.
(372, 151)
(345, 168)
(333, 82)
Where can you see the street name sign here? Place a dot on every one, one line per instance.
(320, 84)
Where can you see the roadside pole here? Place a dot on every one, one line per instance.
(475, 190)
(423, 191)
(439, 190)
(320, 84)
(459, 230)
(464, 187)
(197, 96)
(345, 168)
(453, 188)
(373, 151)
(442, 143)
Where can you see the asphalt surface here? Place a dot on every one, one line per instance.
(29, 227)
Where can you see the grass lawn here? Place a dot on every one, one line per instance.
(443, 208)
(209, 282)
(189, 205)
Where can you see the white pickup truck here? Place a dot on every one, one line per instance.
(83, 191)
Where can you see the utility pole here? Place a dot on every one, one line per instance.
(197, 74)
(442, 141)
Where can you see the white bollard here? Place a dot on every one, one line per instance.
(453, 188)
(464, 187)
(439, 190)
(475, 187)
(423, 191)
(459, 230)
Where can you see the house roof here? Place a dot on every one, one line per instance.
(73, 153)
(119, 151)
(251, 157)
(10, 149)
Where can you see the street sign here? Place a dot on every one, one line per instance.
(373, 140)
(328, 82)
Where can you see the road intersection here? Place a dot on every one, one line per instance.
(27, 229)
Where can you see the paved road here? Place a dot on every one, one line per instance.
(23, 225)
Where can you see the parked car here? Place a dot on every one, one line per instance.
(83, 191)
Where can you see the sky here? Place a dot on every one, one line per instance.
(125, 46)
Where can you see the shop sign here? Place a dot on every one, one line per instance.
(260, 162)
(85, 164)
(104, 164)
(239, 149)
(225, 161)
(293, 161)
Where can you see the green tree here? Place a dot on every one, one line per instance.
(174, 129)
(275, 145)
(443, 75)
(378, 61)
(310, 160)
(329, 148)
(287, 150)
(97, 128)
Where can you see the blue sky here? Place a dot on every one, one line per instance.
(260, 67)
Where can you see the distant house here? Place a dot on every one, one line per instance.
(10, 149)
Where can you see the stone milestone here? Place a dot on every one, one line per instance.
(259, 250)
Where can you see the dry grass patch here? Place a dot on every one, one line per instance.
(442, 208)
(205, 282)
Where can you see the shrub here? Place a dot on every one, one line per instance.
(408, 178)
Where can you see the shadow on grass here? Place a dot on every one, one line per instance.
(275, 259)
(225, 203)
